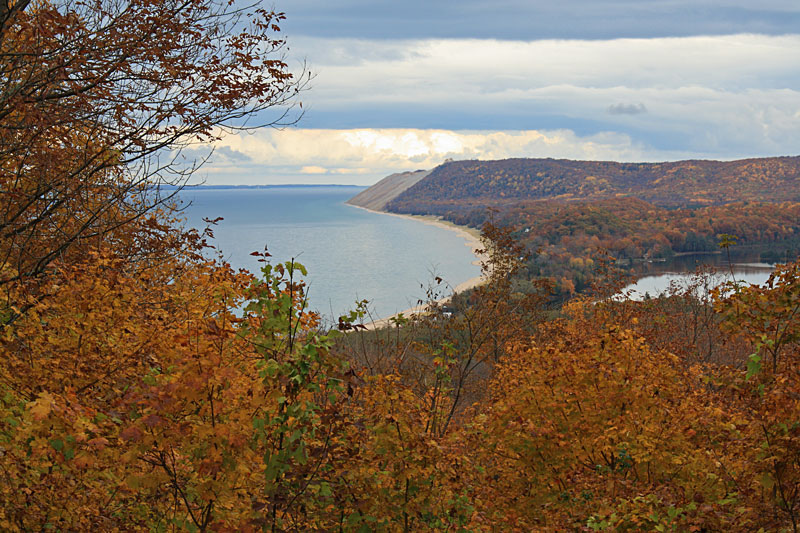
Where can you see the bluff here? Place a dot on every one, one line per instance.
(386, 190)
(460, 185)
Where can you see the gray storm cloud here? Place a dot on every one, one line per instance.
(526, 20)
(626, 109)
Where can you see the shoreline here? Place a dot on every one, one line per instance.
(471, 238)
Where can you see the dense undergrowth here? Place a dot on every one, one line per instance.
(140, 398)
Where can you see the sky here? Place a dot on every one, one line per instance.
(406, 85)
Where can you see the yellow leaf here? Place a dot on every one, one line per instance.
(41, 407)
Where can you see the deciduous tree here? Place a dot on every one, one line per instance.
(99, 98)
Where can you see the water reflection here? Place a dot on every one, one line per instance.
(679, 272)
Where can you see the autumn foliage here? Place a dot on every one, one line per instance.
(147, 386)
(565, 211)
(456, 185)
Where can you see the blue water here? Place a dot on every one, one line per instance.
(351, 254)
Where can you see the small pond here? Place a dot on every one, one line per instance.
(657, 277)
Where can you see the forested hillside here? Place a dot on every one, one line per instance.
(564, 238)
(566, 212)
(459, 185)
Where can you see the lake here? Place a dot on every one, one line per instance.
(351, 254)
(656, 277)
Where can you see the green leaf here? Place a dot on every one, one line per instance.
(272, 367)
(753, 365)
(324, 489)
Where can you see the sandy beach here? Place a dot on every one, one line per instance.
(471, 238)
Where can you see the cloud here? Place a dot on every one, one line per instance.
(313, 169)
(446, 71)
(696, 89)
(226, 153)
(526, 20)
(626, 109)
(380, 106)
(362, 156)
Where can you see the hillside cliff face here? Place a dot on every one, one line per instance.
(464, 184)
(386, 190)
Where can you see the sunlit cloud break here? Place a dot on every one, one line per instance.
(364, 155)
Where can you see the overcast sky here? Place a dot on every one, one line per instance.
(405, 85)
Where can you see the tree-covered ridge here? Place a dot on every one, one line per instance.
(563, 238)
(674, 184)
(565, 212)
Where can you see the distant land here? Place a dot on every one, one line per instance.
(278, 186)
(692, 183)
(566, 211)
